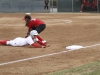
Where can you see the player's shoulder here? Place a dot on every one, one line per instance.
(27, 38)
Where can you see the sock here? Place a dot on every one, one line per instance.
(3, 42)
(39, 38)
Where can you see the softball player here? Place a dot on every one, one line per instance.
(30, 40)
(46, 2)
(83, 6)
(34, 24)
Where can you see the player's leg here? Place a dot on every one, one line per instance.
(47, 6)
(3, 42)
(44, 7)
(39, 29)
(7, 42)
(14, 42)
(41, 39)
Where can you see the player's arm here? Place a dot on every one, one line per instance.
(28, 32)
(37, 45)
(41, 43)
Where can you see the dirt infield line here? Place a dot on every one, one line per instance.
(32, 58)
(86, 47)
(44, 55)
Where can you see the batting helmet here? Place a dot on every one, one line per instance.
(33, 32)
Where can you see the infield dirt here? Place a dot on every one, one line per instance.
(83, 30)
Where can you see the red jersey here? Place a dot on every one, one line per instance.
(95, 3)
(88, 3)
(34, 23)
(83, 2)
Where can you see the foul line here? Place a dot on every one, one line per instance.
(33, 58)
(44, 55)
(86, 47)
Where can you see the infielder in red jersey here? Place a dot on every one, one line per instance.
(34, 24)
(83, 6)
(94, 5)
(88, 5)
(30, 40)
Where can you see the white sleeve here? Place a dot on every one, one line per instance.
(29, 40)
(36, 39)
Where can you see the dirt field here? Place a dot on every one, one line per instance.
(84, 29)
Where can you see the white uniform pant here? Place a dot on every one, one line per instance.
(15, 42)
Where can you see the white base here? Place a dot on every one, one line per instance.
(74, 47)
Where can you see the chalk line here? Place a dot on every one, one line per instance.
(44, 55)
(92, 45)
(86, 47)
(33, 58)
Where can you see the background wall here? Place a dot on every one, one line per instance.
(13, 6)
(21, 6)
(73, 5)
(69, 6)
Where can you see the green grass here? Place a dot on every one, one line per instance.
(88, 69)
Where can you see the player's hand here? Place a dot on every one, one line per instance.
(47, 45)
(43, 46)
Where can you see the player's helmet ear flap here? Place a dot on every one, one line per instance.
(33, 32)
